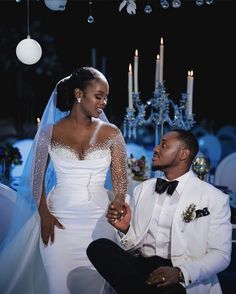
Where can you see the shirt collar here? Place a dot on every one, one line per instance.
(182, 180)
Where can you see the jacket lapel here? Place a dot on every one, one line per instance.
(182, 231)
(146, 199)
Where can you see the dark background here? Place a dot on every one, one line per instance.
(197, 38)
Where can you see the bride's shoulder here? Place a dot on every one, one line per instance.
(109, 128)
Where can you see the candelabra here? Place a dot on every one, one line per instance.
(157, 111)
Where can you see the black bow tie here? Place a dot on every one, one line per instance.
(163, 185)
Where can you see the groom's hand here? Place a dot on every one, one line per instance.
(121, 224)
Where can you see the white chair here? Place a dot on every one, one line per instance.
(225, 174)
(227, 137)
(7, 204)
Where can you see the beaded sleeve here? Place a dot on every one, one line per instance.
(119, 173)
(39, 161)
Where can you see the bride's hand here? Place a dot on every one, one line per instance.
(48, 221)
(120, 224)
(119, 208)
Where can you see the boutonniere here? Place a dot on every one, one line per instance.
(191, 213)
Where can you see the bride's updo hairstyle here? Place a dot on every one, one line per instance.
(80, 78)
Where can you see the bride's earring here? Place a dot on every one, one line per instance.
(78, 99)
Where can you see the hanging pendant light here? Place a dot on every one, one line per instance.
(28, 51)
(56, 5)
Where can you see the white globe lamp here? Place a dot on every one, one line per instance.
(28, 51)
(56, 5)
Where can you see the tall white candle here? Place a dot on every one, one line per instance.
(157, 74)
(130, 87)
(190, 92)
(136, 71)
(188, 82)
(161, 60)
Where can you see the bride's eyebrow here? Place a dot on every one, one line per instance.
(101, 92)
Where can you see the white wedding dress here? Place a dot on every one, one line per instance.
(79, 200)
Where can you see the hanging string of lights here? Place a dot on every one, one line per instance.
(130, 5)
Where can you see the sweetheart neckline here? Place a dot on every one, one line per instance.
(92, 148)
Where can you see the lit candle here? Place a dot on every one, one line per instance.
(157, 75)
(190, 79)
(136, 71)
(130, 86)
(161, 60)
(38, 123)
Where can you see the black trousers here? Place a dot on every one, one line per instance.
(125, 272)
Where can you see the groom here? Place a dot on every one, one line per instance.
(176, 236)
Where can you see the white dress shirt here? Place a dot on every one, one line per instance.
(158, 238)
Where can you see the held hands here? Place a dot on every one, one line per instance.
(120, 222)
(119, 207)
(48, 221)
(163, 276)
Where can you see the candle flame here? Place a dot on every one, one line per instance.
(130, 67)
(38, 120)
(162, 41)
(158, 56)
(191, 73)
(136, 52)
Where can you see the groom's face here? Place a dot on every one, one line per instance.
(168, 153)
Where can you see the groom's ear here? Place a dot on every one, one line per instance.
(184, 154)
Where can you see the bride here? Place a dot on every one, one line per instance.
(61, 201)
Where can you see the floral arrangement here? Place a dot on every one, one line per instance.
(10, 154)
(138, 167)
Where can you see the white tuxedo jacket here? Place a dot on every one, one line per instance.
(202, 247)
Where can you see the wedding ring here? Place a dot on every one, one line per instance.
(163, 279)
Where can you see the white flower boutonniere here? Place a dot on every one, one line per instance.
(189, 214)
(131, 6)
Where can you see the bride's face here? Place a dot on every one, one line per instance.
(94, 97)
